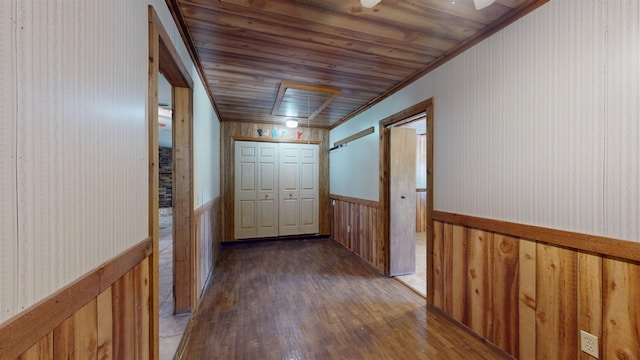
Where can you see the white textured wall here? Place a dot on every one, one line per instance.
(537, 124)
(8, 118)
(206, 149)
(74, 139)
(82, 155)
(349, 175)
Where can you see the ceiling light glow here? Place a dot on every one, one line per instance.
(292, 124)
(369, 3)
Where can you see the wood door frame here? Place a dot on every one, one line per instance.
(163, 57)
(426, 106)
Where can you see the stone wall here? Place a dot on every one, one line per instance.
(165, 189)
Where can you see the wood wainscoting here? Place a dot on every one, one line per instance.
(103, 315)
(207, 245)
(354, 225)
(530, 290)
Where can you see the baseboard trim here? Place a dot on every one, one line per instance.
(470, 332)
(274, 238)
(22, 331)
(372, 266)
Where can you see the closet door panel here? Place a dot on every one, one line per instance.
(309, 178)
(246, 154)
(267, 190)
(307, 212)
(289, 189)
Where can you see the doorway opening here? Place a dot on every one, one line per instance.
(407, 195)
(417, 280)
(164, 59)
(172, 325)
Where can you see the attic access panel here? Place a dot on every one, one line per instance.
(302, 101)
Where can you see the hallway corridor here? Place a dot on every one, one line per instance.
(315, 300)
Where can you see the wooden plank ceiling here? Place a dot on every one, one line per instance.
(247, 48)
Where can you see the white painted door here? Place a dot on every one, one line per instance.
(309, 177)
(267, 200)
(246, 156)
(402, 201)
(289, 189)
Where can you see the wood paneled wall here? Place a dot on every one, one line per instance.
(247, 130)
(354, 225)
(531, 297)
(103, 315)
(207, 245)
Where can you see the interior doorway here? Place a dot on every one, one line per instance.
(418, 231)
(417, 280)
(172, 325)
(163, 58)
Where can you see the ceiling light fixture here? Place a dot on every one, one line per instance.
(292, 124)
(481, 4)
(369, 3)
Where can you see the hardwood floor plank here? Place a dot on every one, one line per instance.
(315, 300)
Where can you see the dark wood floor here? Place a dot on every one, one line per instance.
(315, 300)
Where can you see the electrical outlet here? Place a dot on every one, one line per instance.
(348, 228)
(589, 343)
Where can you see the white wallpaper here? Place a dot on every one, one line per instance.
(206, 149)
(8, 216)
(537, 124)
(82, 155)
(621, 130)
(74, 140)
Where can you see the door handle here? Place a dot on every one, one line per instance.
(402, 197)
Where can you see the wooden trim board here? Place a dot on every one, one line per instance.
(353, 200)
(355, 136)
(154, 181)
(272, 140)
(183, 236)
(19, 333)
(582, 242)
